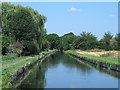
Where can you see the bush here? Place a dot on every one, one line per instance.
(30, 48)
(5, 43)
(15, 49)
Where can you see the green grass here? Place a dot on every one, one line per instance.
(8, 69)
(12, 69)
(96, 58)
(8, 60)
(10, 64)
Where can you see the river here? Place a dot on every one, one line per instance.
(62, 71)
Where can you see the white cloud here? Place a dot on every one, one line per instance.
(111, 15)
(74, 9)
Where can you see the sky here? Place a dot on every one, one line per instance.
(76, 17)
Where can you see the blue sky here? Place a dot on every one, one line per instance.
(64, 17)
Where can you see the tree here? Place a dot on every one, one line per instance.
(24, 24)
(5, 43)
(87, 41)
(113, 44)
(117, 38)
(100, 44)
(7, 12)
(106, 41)
(31, 47)
(53, 40)
(67, 41)
(45, 42)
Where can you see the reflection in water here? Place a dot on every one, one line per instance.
(62, 71)
(36, 78)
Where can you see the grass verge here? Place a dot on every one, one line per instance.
(96, 58)
(10, 64)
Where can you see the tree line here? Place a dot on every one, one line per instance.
(23, 32)
(85, 41)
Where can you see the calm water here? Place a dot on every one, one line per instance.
(62, 71)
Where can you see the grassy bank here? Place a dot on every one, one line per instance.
(96, 58)
(10, 65)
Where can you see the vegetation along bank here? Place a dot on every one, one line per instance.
(25, 41)
(110, 63)
(15, 69)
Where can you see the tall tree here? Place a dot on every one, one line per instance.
(106, 41)
(87, 41)
(67, 41)
(53, 40)
(117, 38)
(24, 25)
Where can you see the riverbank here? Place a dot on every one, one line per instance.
(61, 70)
(101, 53)
(110, 63)
(14, 68)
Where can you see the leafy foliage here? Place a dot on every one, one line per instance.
(67, 41)
(87, 41)
(117, 38)
(105, 42)
(23, 24)
(26, 26)
(5, 43)
(53, 40)
(15, 49)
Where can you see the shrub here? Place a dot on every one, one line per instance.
(5, 43)
(31, 47)
(15, 49)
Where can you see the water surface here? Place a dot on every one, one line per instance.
(62, 71)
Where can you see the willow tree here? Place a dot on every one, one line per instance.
(7, 13)
(40, 30)
(24, 25)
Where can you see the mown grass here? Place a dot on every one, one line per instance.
(10, 64)
(11, 70)
(96, 58)
(8, 60)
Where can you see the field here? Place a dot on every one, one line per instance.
(93, 56)
(112, 54)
